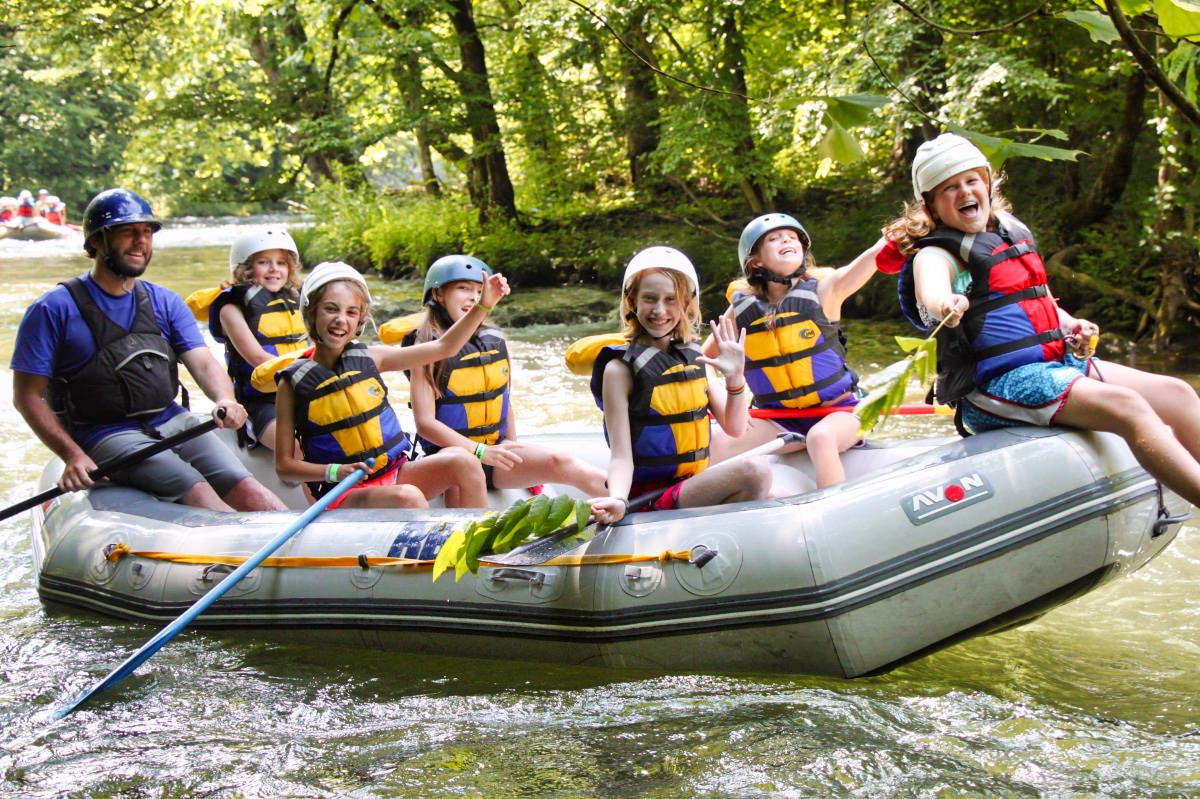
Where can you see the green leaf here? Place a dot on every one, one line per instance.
(999, 149)
(1098, 25)
(853, 110)
(839, 144)
(449, 552)
(1180, 19)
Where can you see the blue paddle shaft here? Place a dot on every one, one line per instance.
(216, 592)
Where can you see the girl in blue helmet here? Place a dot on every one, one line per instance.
(1007, 353)
(336, 404)
(257, 317)
(795, 349)
(463, 401)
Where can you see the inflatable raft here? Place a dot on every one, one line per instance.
(36, 230)
(927, 543)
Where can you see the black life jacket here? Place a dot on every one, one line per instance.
(274, 319)
(134, 374)
(668, 409)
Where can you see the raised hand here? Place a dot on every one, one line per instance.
(731, 349)
(495, 288)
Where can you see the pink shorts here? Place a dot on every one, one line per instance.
(669, 500)
(388, 477)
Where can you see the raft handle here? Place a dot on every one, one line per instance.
(700, 559)
(535, 579)
(1164, 521)
(224, 568)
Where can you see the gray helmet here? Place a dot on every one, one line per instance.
(450, 268)
(761, 226)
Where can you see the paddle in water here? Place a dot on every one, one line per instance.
(216, 592)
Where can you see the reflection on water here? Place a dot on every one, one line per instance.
(1098, 698)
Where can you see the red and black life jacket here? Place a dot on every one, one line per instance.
(1012, 319)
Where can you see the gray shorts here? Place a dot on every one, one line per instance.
(261, 414)
(168, 475)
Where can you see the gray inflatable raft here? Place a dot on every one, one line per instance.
(928, 542)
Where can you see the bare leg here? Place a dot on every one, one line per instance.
(451, 466)
(1175, 402)
(739, 481)
(1093, 405)
(249, 494)
(827, 439)
(202, 495)
(400, 495)
(541, 464)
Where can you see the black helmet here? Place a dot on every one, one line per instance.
(113, 207)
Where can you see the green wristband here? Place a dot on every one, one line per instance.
(479, 450)
(331, 472)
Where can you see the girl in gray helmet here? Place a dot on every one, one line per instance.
(795, 349)
(463, 401)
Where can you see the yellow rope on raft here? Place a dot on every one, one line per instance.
(117, 551)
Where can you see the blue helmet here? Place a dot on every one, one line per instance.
(450, 268)
(113, 207)
(759, 227)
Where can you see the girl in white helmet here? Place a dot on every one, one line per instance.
(656, 397)
(335, 402)
(257, 317)
(463, 401)
(1008, 354)
(795, 348)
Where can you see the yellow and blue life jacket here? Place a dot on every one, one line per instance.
(274, 319)
(668, 409)
(795, 357)
(474, 389)
(343, 415)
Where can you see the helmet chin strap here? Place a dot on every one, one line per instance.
(768, 276)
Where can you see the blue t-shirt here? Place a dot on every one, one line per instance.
(54, 340)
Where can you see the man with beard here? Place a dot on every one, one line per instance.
(95, 371)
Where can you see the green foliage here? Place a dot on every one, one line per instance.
(496, 533)
(405, 237)
(920, 364)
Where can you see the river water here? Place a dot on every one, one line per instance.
(1097, 699)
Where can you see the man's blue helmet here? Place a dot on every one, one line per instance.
(113, 207)
(450, 268)
(760, 226)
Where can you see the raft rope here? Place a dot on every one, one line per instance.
(114, 552)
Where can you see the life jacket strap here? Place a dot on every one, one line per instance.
(796, 393)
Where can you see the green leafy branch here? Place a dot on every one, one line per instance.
(524, 519)
(921, 364)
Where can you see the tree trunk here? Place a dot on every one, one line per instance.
(749, 181)
(413, 90)
(641, 102)
(1118, 164)
(1174, 231)
(488, 182)
(297, 83)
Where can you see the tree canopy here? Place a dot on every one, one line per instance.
(535, 110)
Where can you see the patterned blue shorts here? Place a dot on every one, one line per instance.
(1030, 394)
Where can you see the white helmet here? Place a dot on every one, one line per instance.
(327, 272)
(944, 157)
(271, 238)
(661, 258)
